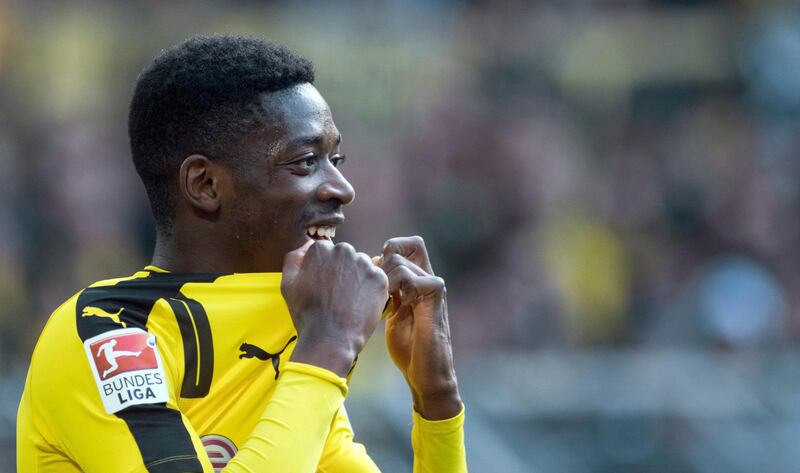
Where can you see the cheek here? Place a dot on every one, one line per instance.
(273, 207)
(273, 215)
(287, 211)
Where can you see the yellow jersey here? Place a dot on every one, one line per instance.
(169, 373)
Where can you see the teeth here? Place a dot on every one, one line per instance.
(325, 232)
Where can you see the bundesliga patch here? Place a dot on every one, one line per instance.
(127, 368)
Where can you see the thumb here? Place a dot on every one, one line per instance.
(294, 259)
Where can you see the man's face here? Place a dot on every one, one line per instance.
(290, 189)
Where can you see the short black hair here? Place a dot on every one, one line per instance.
(201, 96)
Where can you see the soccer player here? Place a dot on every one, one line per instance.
(249, 320)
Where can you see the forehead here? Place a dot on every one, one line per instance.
(296, 113)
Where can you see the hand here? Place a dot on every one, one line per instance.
(417, 328)
(335, 297)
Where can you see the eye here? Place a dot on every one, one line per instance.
(338, 160)
(306, 162)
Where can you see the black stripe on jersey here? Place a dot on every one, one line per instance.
(163, 441)
(128, 303)
(198, 346)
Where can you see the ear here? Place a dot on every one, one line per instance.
(200, 183)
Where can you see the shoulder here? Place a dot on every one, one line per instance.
(62, 327)
(96, 338)
(93, 310)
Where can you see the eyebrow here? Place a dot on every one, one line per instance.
(309, 140)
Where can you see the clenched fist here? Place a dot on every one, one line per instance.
(335, 296)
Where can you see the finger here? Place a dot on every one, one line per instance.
(397, 278)
(370, 265)
(413, 248)
(343, 247)
(396, 260)
(420, 287)
(364, 258)
(294, 260)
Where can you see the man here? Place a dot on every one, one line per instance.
(250, 318)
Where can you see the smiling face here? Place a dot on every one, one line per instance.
(288, 186)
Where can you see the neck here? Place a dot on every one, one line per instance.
(178, 253)
(186, 252)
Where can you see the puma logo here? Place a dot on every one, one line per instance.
(252, 351)
(98, 312)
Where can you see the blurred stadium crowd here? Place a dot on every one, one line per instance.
(610, 188)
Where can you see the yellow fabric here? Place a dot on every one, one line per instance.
(287, 438)
(296, 423)
(439, 444)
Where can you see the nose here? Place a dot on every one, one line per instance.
(336, 187)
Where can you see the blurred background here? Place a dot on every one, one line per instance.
(610, 188)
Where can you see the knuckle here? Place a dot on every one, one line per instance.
(345, 248)
(393, 244)
(319, 247)
(394, 260)
(417, 240)
(364, 260)
(382, 278)
(438, 283)
(405, 274)
(393, 274)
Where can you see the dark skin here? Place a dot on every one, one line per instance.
(258, 220)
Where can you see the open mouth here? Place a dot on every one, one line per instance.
(323, 232)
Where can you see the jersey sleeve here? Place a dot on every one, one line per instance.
(291, 433)
(153, 439)
(75, 442)
(95, 406)
(342, 454)
(439, 444)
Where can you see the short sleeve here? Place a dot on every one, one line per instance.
(97, 405)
